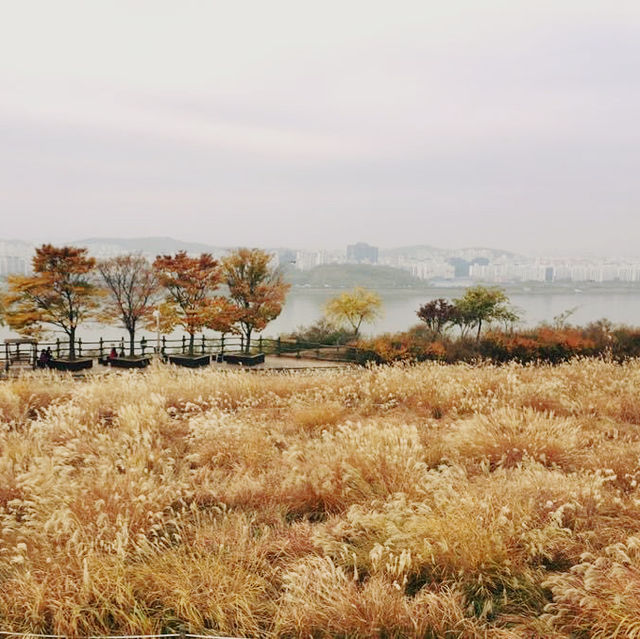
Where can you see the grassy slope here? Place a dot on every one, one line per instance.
(398, 502)
(350, 275)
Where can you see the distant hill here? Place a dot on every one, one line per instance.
(425, 251)
(148, 245)
(152, 246)
(350, 275)
(15, 247)
(334, 275)
(167, 245)
(419, 251)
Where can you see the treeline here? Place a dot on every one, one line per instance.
(480, 325)
(69, 287)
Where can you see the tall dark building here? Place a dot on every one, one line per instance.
(362, 252)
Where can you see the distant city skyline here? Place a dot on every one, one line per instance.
(342, 246)
(337, 243)
(426, 263)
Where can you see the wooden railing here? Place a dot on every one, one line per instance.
(202, 344)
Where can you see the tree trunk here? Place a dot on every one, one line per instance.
(72, 343)
(191, 341)
(247, 346)
(479, 329)
(132, 341)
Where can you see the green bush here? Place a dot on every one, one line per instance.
(320, 332)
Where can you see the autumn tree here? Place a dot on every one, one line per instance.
(480, 305)
(256, 290)
(190, 302)
(132, 287)
(60, 292)
(354, 308)
(438, 314)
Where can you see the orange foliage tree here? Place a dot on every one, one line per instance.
(60, 293)
(132, 287)
(256, 290)
(190, 302)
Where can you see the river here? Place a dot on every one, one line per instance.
(621, 305)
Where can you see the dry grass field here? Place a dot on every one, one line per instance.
(418, 501)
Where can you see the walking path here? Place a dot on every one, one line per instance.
(273, 362)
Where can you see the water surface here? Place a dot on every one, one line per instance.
(305, 306)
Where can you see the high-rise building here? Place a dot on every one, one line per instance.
(14, 265)
(362, 253)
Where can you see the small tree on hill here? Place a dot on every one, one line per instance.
(132, 286)
(438, 315)
(481, 304)
(354, 308)
(60, 293)
(256, 290)
(190, 283)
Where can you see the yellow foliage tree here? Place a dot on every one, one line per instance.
(354, 308)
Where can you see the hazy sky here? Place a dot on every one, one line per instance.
(511, 124)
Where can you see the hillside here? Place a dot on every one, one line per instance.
(148, 245)
(425, 252)
(350, 275)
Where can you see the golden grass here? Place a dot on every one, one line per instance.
(408, 501)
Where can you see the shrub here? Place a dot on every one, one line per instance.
(542, 344)
(320, 332)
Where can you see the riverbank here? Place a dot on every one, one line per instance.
(304, 306)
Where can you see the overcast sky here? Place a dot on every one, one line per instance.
(461, 122)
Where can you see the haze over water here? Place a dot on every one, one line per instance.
(304, 307)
